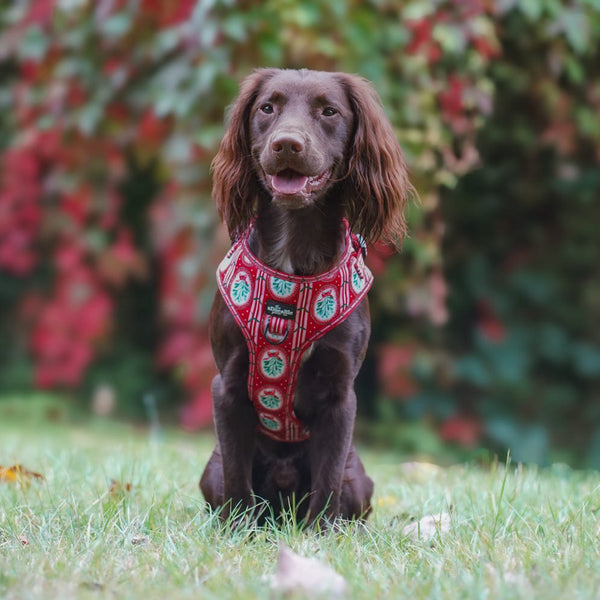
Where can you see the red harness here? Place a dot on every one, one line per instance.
(280, 316)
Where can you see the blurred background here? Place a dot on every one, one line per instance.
(486, 327)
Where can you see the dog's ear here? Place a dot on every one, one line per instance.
(235, 183)
(377, 185)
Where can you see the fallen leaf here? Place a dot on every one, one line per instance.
(140, 540)
(298, 574)
(94, 586)
(428, 527)
(117, 488)
(18, 474)
(510, 579)
(420, 471)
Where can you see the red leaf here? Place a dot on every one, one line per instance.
(421, 34)
(393, 370)
(489, 324)
(151, 129)
(40, 12)
(197, 412)
(451, 101)
(462, 430)
(167, 12)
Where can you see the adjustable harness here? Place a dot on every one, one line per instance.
(281, 315)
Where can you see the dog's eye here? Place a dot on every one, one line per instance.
(329, 111)
(267, 108)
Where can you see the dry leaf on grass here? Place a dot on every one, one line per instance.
(298, 574)
(117, 488)
(420, 471)
(428, 527)
(18, 474)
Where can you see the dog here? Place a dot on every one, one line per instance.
(308, 172)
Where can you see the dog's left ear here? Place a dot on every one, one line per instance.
(377, 185)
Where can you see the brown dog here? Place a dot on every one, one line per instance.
(307, 157)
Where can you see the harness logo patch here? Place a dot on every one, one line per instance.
(325, 306)
(280, 309)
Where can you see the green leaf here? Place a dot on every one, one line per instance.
(576, 29)
(117, 25)
(586, 359)
(451, 38)
(553, 343)
(208, 136)
(472, 369)
(34, 44)
(528, 444)
(235, 27)
(532, 9)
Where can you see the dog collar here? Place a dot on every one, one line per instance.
(281, 315)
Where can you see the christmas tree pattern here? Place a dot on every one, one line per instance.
(240, 290)
(270, 422)
(273, 364)
(281, 287)
(269, 399)
(358, 281)
(325, 306)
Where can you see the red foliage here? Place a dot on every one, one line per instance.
(20, 211)
(462, 430)
(377, 257)
(77, 205)
(451, 100)
(69, 323)
(185, 347)
(167, 12)
(422, 41)
(393, 370)
(40, 12)
(198, 411)
(152, 130)
(489, 324)
(60, 180)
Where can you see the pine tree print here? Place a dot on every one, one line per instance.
(325, 307)
(273, 365)
(270, 401)
(240, 290)
(281, 287)
(269, 422)
(357, 281)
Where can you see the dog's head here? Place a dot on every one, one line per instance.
(309, 137)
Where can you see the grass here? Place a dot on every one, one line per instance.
(119, 515)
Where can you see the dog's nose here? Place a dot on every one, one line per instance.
(287, 144)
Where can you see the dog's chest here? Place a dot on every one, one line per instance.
(281, 316)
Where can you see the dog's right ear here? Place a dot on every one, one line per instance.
(235, 184)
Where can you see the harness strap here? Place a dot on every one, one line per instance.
(281, 315)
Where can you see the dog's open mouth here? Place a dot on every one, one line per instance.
(292, 183)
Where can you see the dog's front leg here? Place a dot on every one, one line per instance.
(326, 402)
(330, 441)
(235, 425)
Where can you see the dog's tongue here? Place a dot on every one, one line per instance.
(288, 182)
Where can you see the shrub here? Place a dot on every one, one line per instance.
(112, 111)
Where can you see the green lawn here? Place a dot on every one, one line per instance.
(119, 515)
